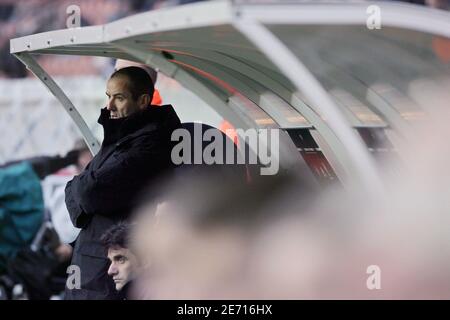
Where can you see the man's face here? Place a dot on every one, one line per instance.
(120, 101)
(124, 266)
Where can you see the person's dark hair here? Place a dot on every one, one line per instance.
(117, 236)
(139, 82)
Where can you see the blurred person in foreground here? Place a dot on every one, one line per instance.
(136, 151)
(276, 241)
(344, 245)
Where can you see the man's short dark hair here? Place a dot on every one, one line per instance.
(117, 236)
(139, 82)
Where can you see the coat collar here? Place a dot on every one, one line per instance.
(137, 123)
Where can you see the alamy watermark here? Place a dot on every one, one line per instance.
(374, 280)
(374, 19)
(264, 145)
(74, 277)
(74, 18)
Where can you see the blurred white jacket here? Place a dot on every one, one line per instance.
(54, 201)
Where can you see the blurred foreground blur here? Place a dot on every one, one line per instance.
(276, 239)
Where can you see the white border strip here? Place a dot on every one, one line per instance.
(188, 16)
(399, 15)
(58, 38)
(412, 17)
(406, 16)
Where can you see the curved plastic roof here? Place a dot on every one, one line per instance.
(287, 65)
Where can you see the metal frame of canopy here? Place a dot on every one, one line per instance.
(151, 37)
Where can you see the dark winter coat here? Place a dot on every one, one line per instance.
(135, 151)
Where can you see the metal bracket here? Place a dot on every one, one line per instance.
(59, 94)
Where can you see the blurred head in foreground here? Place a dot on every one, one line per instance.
(278, 240)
